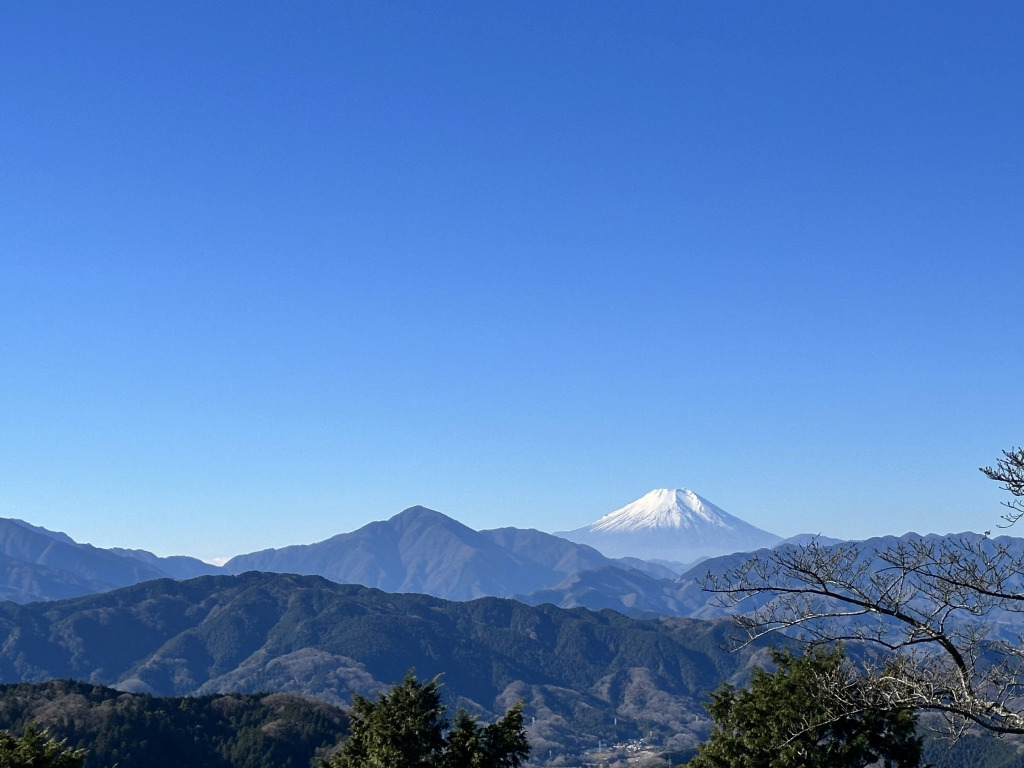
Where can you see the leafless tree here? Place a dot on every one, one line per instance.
(1009, 471)
(935, 614)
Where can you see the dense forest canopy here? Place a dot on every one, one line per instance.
(270, 730)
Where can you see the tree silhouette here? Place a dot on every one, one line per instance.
(407, 728)
(786, 719)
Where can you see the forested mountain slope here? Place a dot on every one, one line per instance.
(576, 670)
(139, 731)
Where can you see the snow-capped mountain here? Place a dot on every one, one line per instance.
(675, 525)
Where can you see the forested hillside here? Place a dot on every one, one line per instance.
(583, 676)
(140, 731)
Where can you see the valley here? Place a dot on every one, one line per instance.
(612, 657)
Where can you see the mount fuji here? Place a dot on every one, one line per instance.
(675, 525)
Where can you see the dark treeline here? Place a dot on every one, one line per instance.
(273, 730)
(140, 731)
(978, 750)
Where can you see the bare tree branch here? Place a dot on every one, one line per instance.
(1009, 471)
(936, 610)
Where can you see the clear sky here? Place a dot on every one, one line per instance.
(271, 271)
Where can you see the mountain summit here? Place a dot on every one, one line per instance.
(664, 508)
(671, 524)
(422, 550)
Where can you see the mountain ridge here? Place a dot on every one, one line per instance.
(418, 550)
(584, 675)
(423, 550)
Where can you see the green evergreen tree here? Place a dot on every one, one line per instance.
(33, 749)
(502, 744)
(407, 728)
(782, 721)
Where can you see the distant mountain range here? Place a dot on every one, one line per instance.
(37, 564)
(422, 551)
(418, 550)
(585, 673)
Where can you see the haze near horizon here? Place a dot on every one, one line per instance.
(270, 275)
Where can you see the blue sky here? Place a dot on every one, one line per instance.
(270, 272)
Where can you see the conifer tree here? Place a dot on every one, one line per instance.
(407, 728)
(783, 720)
(33, 749)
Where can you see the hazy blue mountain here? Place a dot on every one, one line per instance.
(24, 582)
(37, 564)
(175, 566)
(658, 569)
(695, 603)
(58, 535)
(542, 550)
(561, 556)
(576, 670)
(807, 538)
(418, 550)
(632, 592)
(637, 595)
(689, 598)
(421, 550)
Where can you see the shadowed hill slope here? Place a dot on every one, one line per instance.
(576, 670)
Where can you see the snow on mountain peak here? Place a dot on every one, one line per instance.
(671, 508)
(673, 524)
